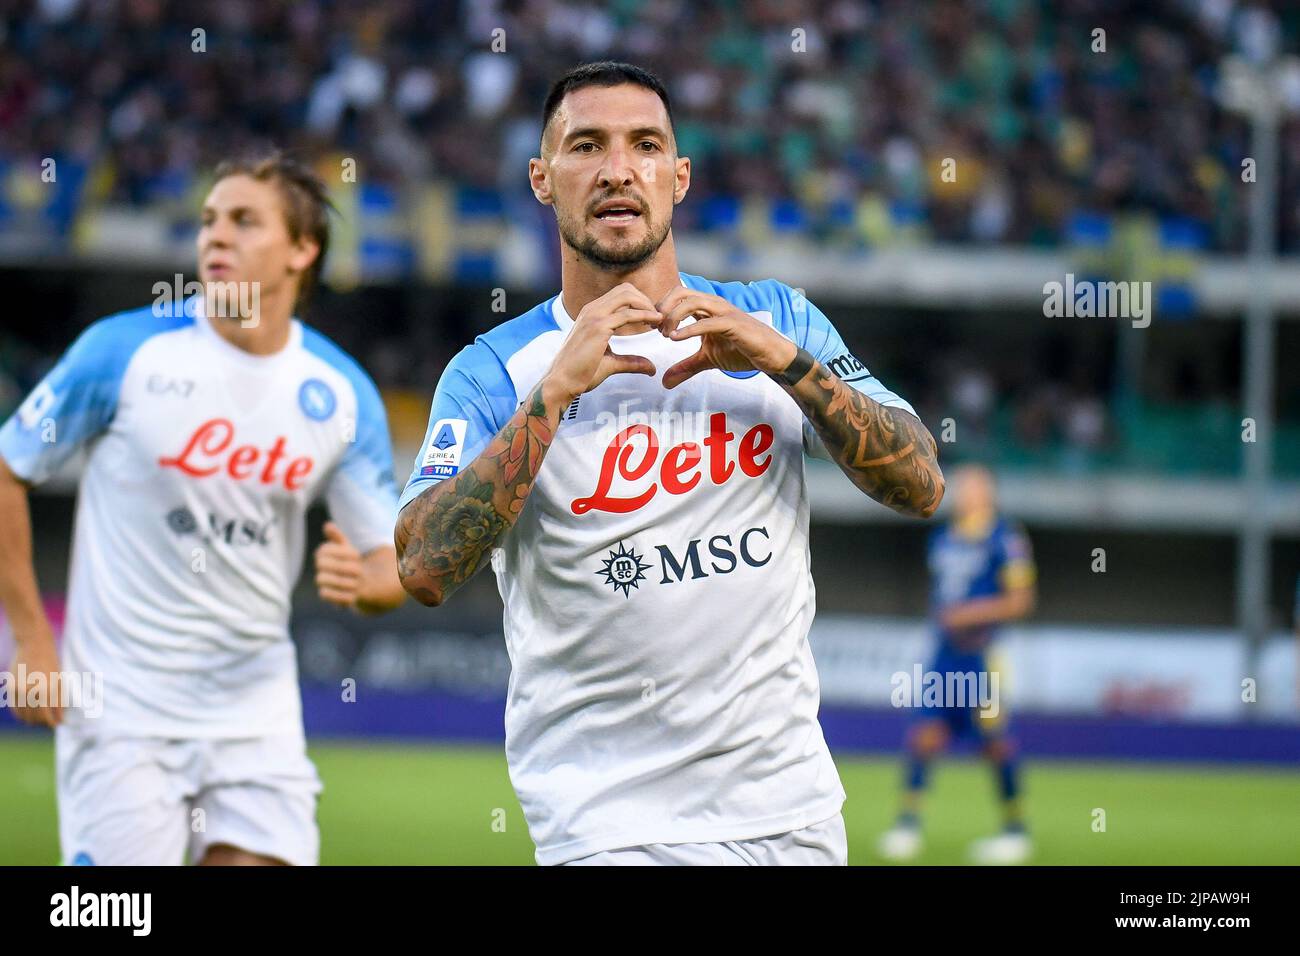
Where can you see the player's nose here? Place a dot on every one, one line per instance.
(617, 170)
(217, 234)
(215, 240)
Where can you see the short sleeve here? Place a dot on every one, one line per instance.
(812, 330)
(1015, 558)
(473, 401)
(361, 495)
(72, 404)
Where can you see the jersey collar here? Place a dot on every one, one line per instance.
(195, 306)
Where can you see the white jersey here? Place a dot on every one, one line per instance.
(657, 586)
(202, 461)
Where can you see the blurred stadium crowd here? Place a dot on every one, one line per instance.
(825, 120)
(840, 127)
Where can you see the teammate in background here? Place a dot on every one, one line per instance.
(982, 571)
(636, 477)
(209, 433)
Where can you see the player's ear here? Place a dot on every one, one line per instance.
(539, 178)
(305, 251)
(682, 173)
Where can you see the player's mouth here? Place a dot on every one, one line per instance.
(218, 269)
(618, 211)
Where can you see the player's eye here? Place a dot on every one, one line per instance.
(651, 143)
(582, 147)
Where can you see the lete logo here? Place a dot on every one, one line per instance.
(205, 454)
(678, 472)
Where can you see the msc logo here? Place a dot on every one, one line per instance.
(847, 368)
(316, 399)
(232, 531)
(720, 547)
(624, 569)
(182, 521)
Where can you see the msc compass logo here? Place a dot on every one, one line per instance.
(181, 520)
(623, 569)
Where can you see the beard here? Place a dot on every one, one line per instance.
(616, 257)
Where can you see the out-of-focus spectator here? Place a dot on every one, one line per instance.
(826, 105)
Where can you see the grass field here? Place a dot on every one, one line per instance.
(424, 804)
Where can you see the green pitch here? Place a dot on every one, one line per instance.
(424, 804)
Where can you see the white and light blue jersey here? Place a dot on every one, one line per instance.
(200, 462)
(657, 586)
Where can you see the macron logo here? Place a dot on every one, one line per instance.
(102, 909)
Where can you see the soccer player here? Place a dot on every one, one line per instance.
(211, 424)
(628, 455)
(982, 571)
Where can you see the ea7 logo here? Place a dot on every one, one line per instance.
(162, 385)
(102, 909)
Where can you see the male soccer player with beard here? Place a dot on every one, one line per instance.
(210, 432)
(628, 454)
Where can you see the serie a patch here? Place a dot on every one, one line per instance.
(442, 454)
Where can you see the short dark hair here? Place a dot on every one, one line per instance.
(604, 73)
(306, 201)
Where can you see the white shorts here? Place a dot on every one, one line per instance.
(126, 801)
(822, 844)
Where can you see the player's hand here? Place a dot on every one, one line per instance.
(585, 359)
(338, 568)
(730, 339)
(963, 617)
(37, 655)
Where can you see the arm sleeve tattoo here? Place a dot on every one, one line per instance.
(446, 534)
(885, 451)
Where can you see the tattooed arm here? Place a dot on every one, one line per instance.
(444, 536)
(447, 533)
(885, 451)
